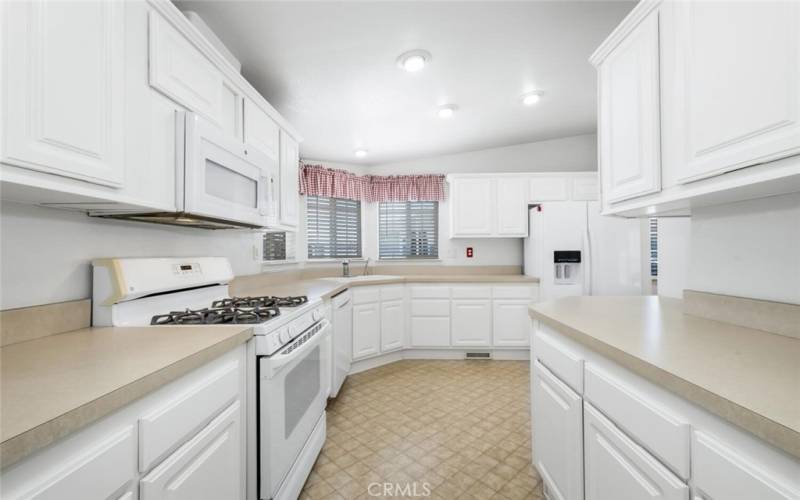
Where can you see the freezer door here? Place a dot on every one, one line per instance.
(614, 261)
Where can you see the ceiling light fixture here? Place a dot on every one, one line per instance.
(446, 111)
(531, 98)
(360, 153)
(413, 60)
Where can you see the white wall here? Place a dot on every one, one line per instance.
(45, 254)
(748, 249)
(674, 235)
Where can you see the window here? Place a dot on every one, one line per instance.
(333, 228)
(653, 247)
(408, 230)
(278, 246)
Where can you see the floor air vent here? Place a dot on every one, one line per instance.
(478, 355)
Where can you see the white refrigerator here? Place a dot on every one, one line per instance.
(574, 250)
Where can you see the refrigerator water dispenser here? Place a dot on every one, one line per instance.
(567, 265)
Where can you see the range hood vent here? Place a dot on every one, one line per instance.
(179, 219)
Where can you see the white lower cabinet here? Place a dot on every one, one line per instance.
(208, 466)
(392, 325)
(511, 323)
(430, 331)
(557, 435)
(366, 330)
(471, 322)
(616, 467)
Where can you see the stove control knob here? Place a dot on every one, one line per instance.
(316, 315)
(284, 336)
(292, 331)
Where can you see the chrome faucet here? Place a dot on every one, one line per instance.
(366, 267)
(346, 268)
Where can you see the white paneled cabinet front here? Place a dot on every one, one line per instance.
(629, 116)
(726, 51)
(473, 206)
(557, 435)
(512, 207)
(289, 170)
(616, 467)
(511, 323)
(63, 73)
(366, 330)
(471, 321)
(393, 319)
(208, 466)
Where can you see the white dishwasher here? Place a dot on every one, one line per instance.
(342, 339)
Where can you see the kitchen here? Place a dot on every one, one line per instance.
(384, 257)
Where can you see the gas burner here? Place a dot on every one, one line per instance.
(264, 301)
(291, 301)
(218, 315)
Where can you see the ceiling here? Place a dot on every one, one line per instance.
(330, 69)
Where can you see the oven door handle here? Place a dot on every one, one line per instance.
(278, 361)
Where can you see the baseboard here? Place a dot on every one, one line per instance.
(520, 354)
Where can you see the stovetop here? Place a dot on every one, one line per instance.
(233, 310)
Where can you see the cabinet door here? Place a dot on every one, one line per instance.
(616, 467)
(393, 320)
(629, 128)
(512, 207)
(289, 169)
(720, 472)
(738, 84)
(210, 465)
(471, 322)
(260, 130)
(512, 324)
(557, 436)
(472, 207)
(366, 330)
(231, 111)
(64, 89)
(430, 331)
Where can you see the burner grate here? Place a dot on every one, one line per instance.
(234, 310)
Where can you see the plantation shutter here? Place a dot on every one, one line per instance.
(333, 228)
(408, 230)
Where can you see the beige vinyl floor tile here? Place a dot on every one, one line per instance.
(448, 430)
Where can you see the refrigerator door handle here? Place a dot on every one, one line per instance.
(587, 259)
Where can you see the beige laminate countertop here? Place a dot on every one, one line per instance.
(326, 288)
(53, 386)
(748, 377)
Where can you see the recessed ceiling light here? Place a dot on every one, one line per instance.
(531, 98)
(446, 111)
(360, 153)
(413, 60)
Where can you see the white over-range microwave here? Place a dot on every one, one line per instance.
(220, 182)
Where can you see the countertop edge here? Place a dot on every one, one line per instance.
(14, 449)
(772, 432)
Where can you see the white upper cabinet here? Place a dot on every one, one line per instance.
(260, 130)
(64, 89)
(472, 206)
(512, 209)
(543, 188)
(629, 138)
(289, 190)
(737, 82)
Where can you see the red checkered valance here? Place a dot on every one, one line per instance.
(316, 180)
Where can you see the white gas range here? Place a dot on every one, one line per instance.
(292, 351)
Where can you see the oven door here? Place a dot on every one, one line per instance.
(223, 178)
(293, 391)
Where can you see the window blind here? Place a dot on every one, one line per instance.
(653, 247)
(333, 228)
(408, 230)
(278, 246)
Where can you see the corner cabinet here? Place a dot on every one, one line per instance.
(628, 102)
(63, 89)
(289, 206)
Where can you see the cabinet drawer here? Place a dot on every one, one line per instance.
(471, 292)
(168, 425)
(210, 465)
(430, 292)
(392, 292)
(430, 307)
(559, 359)
(366, 295)
(719, 471)
(616, 467)
(513, 292)
(663, 434)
